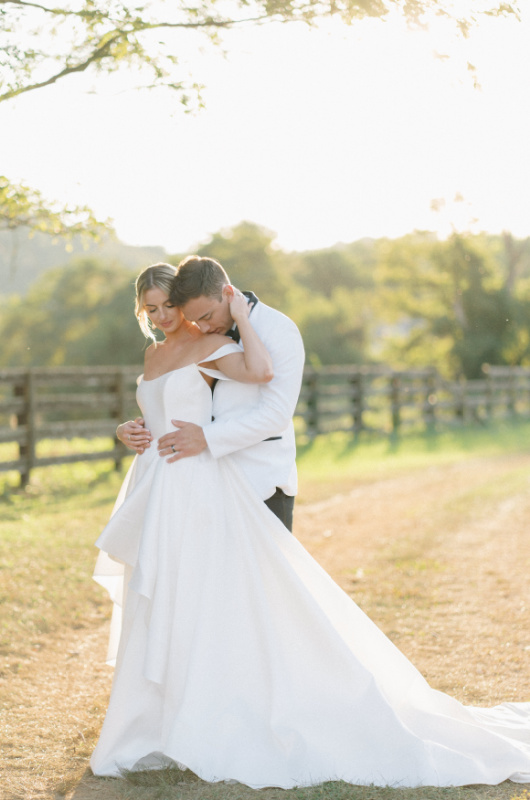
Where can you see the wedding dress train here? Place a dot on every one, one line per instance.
(240, 659)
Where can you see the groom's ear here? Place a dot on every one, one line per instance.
(228, 291)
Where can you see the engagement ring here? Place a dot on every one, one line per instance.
(173, 448)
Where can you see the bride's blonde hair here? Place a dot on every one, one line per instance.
(159, 276)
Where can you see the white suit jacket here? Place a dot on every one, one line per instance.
(245, 415)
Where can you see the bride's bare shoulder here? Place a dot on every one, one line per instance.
(153, 351)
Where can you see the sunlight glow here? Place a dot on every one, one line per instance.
(320, 135)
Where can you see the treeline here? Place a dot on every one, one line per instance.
(413, 301)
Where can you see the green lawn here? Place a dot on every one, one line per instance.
(331, 464)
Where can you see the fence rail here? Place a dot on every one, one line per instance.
(379, 399)
(43, 404)
(67, 403)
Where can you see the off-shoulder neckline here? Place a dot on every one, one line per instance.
(169, 372)
(185, 366)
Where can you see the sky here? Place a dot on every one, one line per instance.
(321, 136)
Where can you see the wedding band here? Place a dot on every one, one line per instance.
(173, 448)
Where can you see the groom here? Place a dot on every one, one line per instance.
(253, 423)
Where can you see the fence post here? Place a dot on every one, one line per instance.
(430, 401)
(459, 406)
(395, 385)
(488, 405)
(312, 404)
(511, 404)
(26, 418)
(357, 400)
(120, 389)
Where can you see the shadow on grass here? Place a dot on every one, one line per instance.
(348, 446)
(174, 784)
(508, 435)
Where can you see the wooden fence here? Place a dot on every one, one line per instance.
(378, 399)
(43, 406)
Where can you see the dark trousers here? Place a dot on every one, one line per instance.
(282, 505)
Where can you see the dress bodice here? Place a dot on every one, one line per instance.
(180, 394)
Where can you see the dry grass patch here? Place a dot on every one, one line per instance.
(47, 556)
(439, 560)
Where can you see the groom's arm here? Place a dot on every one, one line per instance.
(275, 408)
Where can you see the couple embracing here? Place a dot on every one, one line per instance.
(236, 655)
(251, 421)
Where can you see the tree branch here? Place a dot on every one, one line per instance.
(103, 50)
(59, 12)
(102, 29)
(97, 55)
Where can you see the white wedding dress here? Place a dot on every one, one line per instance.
(239, 657)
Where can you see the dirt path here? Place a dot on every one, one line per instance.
(439, 559)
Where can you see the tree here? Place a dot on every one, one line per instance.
(43, 44)
(247, 253)
(456, 304)
(348, 266)
(21, 206)
(335, 329)
(80, 314)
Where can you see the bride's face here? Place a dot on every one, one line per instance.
(162, 313)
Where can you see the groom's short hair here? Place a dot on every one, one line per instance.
(198, 277)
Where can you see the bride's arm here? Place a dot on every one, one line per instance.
(133, 433)
(254, 364)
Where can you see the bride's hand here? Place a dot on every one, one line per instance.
(134, 434)
(239, 307)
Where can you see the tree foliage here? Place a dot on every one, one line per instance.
(336, 329)
(23, 207)
(247, 253)
(77, 315)
(343, 266)
(456, 304)
(409, 302)
(43, 43)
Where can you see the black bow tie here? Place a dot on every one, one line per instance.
(233, 333)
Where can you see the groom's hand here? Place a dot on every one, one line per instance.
(187, 440)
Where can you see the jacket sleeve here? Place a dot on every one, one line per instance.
(273, 412)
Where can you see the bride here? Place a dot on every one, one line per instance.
(239, 658)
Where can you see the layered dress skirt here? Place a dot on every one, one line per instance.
(239, 658)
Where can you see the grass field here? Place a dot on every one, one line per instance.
(47, 532)
(329, 464)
